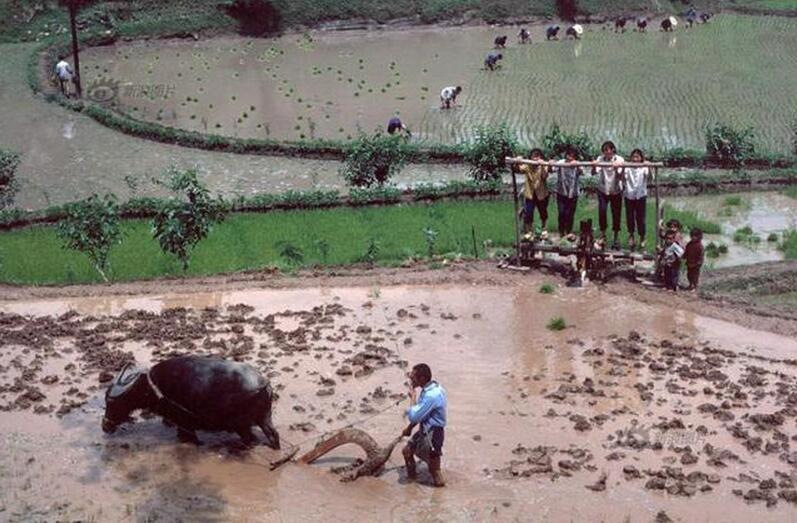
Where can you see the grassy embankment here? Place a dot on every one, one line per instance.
(250, 241)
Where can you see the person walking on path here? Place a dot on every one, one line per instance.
(64, 73)
(429, 411)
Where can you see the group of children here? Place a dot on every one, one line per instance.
(674, 250)
(617, 184)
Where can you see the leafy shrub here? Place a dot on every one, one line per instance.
(371, 160)
(773, 237)
(746, 235)
(487, 153)
(789, 245)
(181, 223)
(9, 161)
(374, 195)
(322, 246)
(556, 142)
(547, 288)
(556, 324)
(729, 146)
(91, 226)
(371, 253)
(289, 252)
(714, 250)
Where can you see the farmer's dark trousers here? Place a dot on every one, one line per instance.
(567, 213)
(535, 203)
(693, 275)
(671, 274)
(615, 201)
(635, 215)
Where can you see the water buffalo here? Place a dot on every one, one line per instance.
(500, 42)
(195, 393)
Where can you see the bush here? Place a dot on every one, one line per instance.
(729, 146)
(773, 237)
(373, 159)
(9, 161)
(547, 288)
(91, 226)
(487, 153)
(182, 223)
(556, 324)
(789, 245)
(556, 142)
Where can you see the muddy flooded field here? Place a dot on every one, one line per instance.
(633, 412)
(767, 215)
(331, 84)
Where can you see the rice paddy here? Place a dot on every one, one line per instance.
(654, 90)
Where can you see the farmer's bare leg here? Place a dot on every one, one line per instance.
(409, 462)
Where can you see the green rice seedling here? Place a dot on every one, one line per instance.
(547, 288)
(556, 324)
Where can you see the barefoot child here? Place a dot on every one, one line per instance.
(535, 192)
(636, 192)
(672, 254)
(694, 258)
(567, 191)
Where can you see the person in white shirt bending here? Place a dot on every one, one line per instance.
(63, 71)
(448, 96)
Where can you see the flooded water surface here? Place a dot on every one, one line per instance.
(543, 425)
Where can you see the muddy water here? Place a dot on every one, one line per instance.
(67, 156)
(330, 84)
(764, 212)
(487, 345)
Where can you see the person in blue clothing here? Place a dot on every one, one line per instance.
(429, 411)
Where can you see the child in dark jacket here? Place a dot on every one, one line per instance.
(694, 258)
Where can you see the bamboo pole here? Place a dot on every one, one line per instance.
(582, 164)
(517, 230)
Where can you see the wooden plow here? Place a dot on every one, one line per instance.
(375, 456)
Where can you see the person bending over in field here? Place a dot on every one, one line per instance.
(567, 191)
(524, 36)
(448, 96)
(552, 32)
(619, 24)
(610, 191)
(492, 59)
(395, 125)
(642, 24)
(635, 180)
(535, 192)
(500, 42)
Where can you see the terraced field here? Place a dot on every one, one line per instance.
(657, 90)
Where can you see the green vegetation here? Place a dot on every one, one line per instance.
(9, 161)
(486, 155)
(773, 237)
(730, 146)
(386, 235)
(181, 223)
(791, 191)
(714, 250)
(92, 227)
(789, 245)
(557, 141)
(556, 324)
(372, 160)
(746, 235)
(547, 288)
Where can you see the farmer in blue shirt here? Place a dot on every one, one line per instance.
(429, 411)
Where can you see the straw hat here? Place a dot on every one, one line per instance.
(578, 29)
(673, 21)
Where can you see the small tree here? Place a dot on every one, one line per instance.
(556, 142)
(187, 218)
(487, 153)
(91, 226)
(730, 146)
(567, 9)
(373, 159)
(9, 161)
(255, 17)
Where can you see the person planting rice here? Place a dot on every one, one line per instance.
(448, 96)
(552, 32)
(395, 125)
(575, 31)
(492, 59)
(524, 36)
(610, 191)
(567, 191)
(642, 24)
(668, 24)
(429, 411)
(635, 181)
(694, 258)
(500, 42)
(619, 24)
(535, 192)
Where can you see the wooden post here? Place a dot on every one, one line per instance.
(517, 227)
(658, 210)
(75, 48)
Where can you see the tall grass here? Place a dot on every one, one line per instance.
(251, 241)
(789, 245)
